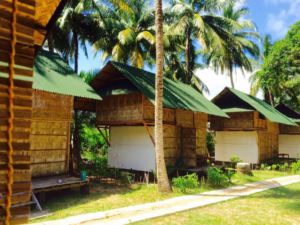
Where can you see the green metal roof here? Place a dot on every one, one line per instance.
(287, 111)
(53, 74)
(176, 94)
(233, 110)
(228, 96)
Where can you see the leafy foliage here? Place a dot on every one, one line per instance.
(216, 177)
(210, 142)
(281, 68)
(186, 183)
(125, 34)
(234, 160)
(295, 167)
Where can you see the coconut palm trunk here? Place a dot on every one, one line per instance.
(188, 56)
(230, 74)
(77, 123)
(162, 177)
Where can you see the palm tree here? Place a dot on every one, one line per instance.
(162, 176)
(238, 45)
(126, 35)
(256, 78)
(198, 22)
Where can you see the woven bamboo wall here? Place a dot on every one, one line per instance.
(171, 149)
(148, 113)
(22, 106)
(268, 142)
(50, 133)
(120, 109)
(238, 121)
(285, 129)
(192, 136)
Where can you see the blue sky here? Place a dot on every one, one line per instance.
(272, 17)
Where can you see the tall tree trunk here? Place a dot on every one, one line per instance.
(50, 41)
(231, 76)
(162, 176)
(76, 132)
(76, 54)
(188, 57)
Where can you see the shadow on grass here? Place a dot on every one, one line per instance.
(58, 200)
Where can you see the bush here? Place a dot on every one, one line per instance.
(187, 182)
(284, 167)
(98, 165)
(234, 160)
(295, 167)
(216, 177)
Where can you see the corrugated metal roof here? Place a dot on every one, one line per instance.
(176, 94)
(53, 74)
(233, 110)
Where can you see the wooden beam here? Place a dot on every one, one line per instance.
(149, 133)
(106, 140)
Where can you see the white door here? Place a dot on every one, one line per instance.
(131, 148)
(240, 143)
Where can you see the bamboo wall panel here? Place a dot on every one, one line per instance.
(171, 150)
(285, 129)
(184, 118)
(22, 105)
(120, 109)
(192, 137)
(268, 142)
(50, 133)
(237, 121)
(148, 113)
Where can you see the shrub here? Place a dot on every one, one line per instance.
(187, 182)
(216, 177)
(98, 165)
(229, 172)
(295, 167)
(234, 160)
(284, 167)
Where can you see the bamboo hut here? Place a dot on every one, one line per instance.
(24, 25)
(289, 136)
(127, 110)
(55, 87)
(251, 132)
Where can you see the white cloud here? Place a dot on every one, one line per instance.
(278, 23)
(217, 82)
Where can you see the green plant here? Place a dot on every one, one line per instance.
(229, 172)
(295, 167)
(127, 178)
(98, 165)
(234, 160)
(210, 142)
(187, 182)
(216, 177)
(284, 167)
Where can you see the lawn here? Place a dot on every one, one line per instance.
(105, 197)
(278, 206)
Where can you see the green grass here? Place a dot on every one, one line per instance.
(280, 206)
(106, 197)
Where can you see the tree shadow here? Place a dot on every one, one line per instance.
(64, 199)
